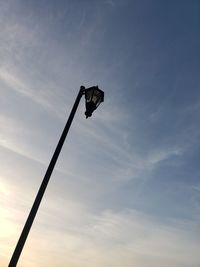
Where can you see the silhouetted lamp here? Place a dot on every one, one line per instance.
(93, 98)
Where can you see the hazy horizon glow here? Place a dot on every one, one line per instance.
(126, 187)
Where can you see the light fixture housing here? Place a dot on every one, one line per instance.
(93, 98)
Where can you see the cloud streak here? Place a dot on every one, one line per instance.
(112, 239)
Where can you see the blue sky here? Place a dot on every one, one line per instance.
(126, 188)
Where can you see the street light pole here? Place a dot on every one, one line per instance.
(36, 204)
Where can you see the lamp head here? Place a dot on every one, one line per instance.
(93, 98)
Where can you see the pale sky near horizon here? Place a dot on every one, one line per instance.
(126, 187)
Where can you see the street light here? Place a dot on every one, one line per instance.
(93, 97)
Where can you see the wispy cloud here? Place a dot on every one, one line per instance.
(43, 98)
(110, 239)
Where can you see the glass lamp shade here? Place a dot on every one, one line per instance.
(93, 97)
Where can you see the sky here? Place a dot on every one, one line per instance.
(126, 188)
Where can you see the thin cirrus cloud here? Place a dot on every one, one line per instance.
(114, 238)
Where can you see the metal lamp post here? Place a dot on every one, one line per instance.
(93, 96)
